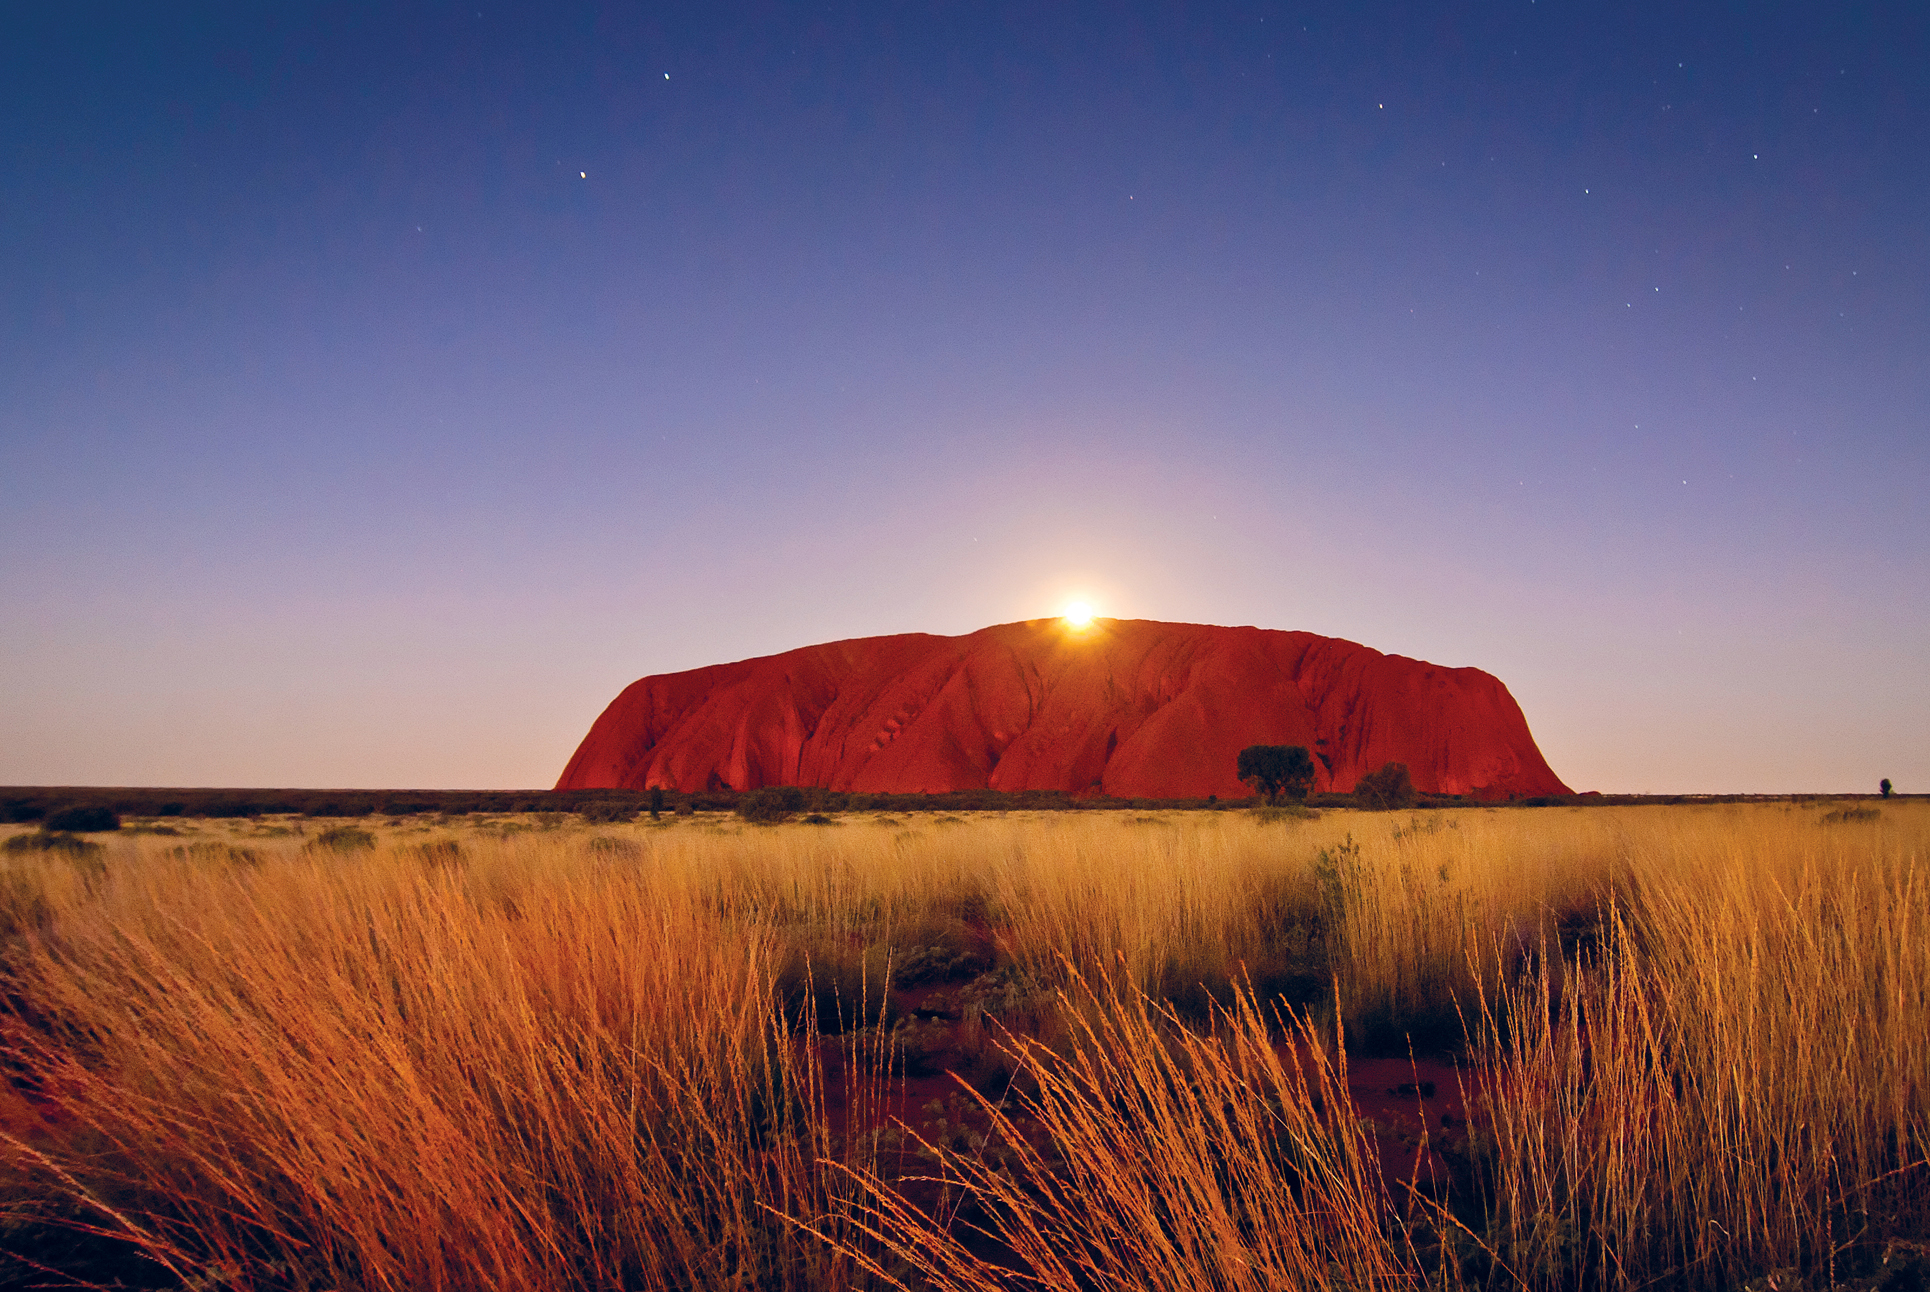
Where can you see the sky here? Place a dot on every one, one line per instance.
(384, 387)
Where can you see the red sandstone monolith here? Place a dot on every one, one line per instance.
(1126, 707)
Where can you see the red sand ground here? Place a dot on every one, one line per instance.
(1128, 707)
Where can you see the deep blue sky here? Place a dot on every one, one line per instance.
(384, 387)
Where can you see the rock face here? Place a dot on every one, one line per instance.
(1126, 707)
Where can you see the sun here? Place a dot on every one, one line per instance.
(1078, 615)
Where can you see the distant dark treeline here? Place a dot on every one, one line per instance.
(32, 803)
(28, 803)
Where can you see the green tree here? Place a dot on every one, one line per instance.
(1276, 771)
(1885, 787)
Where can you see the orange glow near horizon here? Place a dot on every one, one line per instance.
(1078, 616)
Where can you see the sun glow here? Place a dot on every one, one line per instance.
(1078, 615)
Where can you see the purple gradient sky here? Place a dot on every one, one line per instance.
(384, 387)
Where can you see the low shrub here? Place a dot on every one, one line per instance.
(770, 805)
(608, 812)
(48, 841)
(939, 950)
(213, 850)
(344, 838)
(1388, 790)
(436, 853)
(82, 820)
(1286, 814)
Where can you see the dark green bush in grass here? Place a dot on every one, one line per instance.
(82, 820)
(770, 805)
(609, 811)
(71, 845)
(1388, 790)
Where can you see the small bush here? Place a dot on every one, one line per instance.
(771, 805)
(1387, 790)
(215, 851)
(344, 838)
(1284, 815)
(82, 820)
(939, 950)
(47, 841)
(608, 812)
(1844, 816)
(438, 853)
(1418, 826)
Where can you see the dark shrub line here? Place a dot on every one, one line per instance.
(36, 804)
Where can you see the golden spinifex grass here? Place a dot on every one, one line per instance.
(320, 1070)
(1161, 1158)
(1741, 1082)
(1692, 1043)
